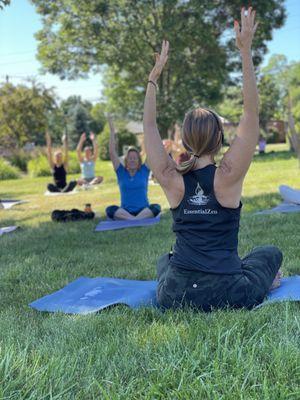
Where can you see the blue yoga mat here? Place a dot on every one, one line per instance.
(88, 295)
(289, 290)
(282, 208)
(111, 225)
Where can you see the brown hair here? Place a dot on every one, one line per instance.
(202, 134)
(130, 149)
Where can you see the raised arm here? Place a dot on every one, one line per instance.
(94, 140)
(66, 151)
(112, 145)
(163, 167)
(235, 163)
(79, 147)
(49, 150)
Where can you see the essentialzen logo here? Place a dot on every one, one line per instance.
(199, 199)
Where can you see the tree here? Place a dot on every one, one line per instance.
(98, 118)
(268, 100)
(80, 36)
(24, 113)
(4, 3)
(82, 116)
(286, 77)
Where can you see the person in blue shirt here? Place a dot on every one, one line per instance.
(133, 180)
(87, 161)
(204, 269)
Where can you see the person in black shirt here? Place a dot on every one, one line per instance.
(59, 165)
(204, 269)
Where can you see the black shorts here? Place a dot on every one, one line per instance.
(178, 286)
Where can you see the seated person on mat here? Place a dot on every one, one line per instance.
(59, 166)
(204, 269)
(87, 162)
(133, 184)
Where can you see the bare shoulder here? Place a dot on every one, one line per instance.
(172, 184)
(227, 191)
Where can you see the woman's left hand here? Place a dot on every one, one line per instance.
(160, 61)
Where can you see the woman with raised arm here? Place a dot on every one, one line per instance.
(133, 184)
(88, 161)
(59, 166)
(204, 269)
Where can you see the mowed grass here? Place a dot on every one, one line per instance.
(145, 354)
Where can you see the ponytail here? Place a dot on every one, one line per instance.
(186, 166)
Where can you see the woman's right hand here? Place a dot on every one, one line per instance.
(160, 61)
(245, 33)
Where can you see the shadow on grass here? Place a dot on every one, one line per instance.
(275, 155)
(261, 202)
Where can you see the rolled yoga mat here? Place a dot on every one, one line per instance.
(89, 295)
(111, 225)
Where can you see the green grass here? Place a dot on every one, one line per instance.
(125, 354)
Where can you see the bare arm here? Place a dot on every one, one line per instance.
(94, 140)
(66, 151)
(79, 147)
(112, 145)
(163, 167)
(49, 150)
(236, 162)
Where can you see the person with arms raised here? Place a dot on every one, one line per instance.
(204, 269)
(59, 167)
(133, 180)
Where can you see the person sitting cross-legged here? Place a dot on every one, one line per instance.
(204, 269)
(133, 184)
(87, 161)
(59, 166)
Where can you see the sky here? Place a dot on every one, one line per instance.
(18, 47)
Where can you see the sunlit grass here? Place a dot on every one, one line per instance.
(145, 354)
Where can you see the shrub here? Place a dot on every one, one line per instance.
(39, 166)
(19, 158)
(8, 171)
(125, 138)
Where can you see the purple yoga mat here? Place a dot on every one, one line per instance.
(111, 225)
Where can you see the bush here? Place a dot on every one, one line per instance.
(19, 158)
(39, 166)
(125, 138)
(8, 171)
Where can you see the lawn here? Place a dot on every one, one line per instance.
(125, 354)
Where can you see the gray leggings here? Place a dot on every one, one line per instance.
(178, 286)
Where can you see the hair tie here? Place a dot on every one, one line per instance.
(196, 156)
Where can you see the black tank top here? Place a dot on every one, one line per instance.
(59, 176)
(206, 232)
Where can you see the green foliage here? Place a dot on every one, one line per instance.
(103, 142)
(8, 171)
(4, 3)
(80, 116)
(80, 36)
(98, 118)
(20, 158)
(268, 100)
(125, 138)
(39, 166)
(23, 113)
